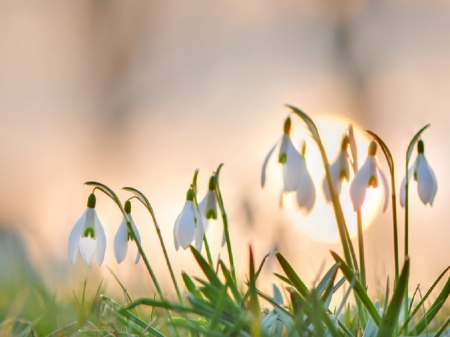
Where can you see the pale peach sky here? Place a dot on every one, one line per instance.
(142, 93)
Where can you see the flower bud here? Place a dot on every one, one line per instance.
(212, 183)
(420, 146)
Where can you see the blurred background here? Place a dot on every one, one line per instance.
(142, 93)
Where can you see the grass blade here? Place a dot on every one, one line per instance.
(390, 318)
(292, 275)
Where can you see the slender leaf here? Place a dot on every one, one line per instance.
(358, 289)
(390, 318)
(292, 275)
(209, 272)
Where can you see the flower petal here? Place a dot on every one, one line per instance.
(340, 164)
(121, 242)
(186, 226)
(101, 240)
(88, 246)
(306, 193)
(426, 181)
(199, 233)
(175, 232)
(293, 168)
(264, 167)
(360, 182)
(74, 238)
(138, 238)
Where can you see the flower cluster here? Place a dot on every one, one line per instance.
(192, 223)
(298, 180)
(88, 236)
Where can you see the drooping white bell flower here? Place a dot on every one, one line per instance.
(368, 176)
(296, 177)
(88, 236)
(123, 235)
(208, 206)
(188, 225)
(339, 170)
(422, 172)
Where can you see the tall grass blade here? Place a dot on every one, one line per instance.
(390, 317)
(292, 275)
(358, 289)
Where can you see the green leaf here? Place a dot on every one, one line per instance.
(358, 289)
(209, 272)
(390, 317)
(292, 275)
(117, 307)
(422, 301)
(434, 309)
(233, 286)
(190, 285)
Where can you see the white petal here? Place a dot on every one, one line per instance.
(293, 168)
(138, 237)
(121, 242)
(88, 246)
(199, 234)
(426, 181)
(175, 232)
(403, 185)
(186, 226)
(101, 240)
(264, 167)
(306, 193)
(75, 236)
(360, 183)
(385, 188)
(340, 164)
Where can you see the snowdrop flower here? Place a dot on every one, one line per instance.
(188, 225)
(208, 206)
(368, 176)
(88, 236)
(123, 235)
(424, 175)
(339, 170)
(296, 177)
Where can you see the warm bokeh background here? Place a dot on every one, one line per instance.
(141, 93)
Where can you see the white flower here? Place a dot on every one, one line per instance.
(188, 225)
(88, 236)
(123, 235)
(368, 176)
(339, 170)
(296, 177)
(424, 175)
(208, 206)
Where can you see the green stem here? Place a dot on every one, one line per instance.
(406, 305)
(225, 223)
(143, 199)
(114, 197)
(362, 262)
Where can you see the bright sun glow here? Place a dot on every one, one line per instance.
(320, 224)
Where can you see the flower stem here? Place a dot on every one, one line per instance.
(105, 189)
(143, 199)
(225, 223)
(362, 262)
